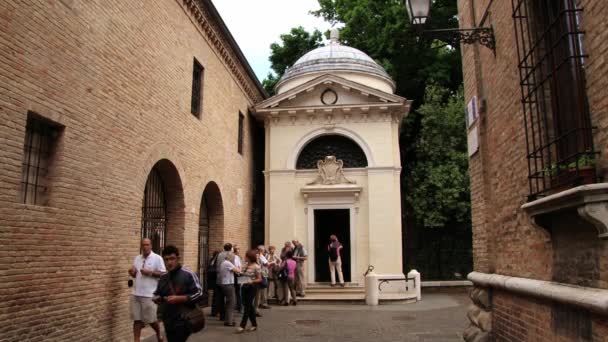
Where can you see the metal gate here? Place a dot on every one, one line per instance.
(154, 212)
(203, 242)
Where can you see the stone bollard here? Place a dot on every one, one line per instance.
(416, 275)
(372, 294)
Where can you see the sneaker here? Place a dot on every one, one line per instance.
(239, 330)
(333, 285)
(250, 329)
(342, 285)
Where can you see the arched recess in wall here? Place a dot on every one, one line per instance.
(341, 147)
(336, 132)
(210, 227)
(162, 208)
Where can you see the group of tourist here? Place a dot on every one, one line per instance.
(240, 284)
(281, 278)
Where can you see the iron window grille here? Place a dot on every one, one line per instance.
(40, 139)
(241, 127)
(197, 89)
(154, 212)
(557, 123)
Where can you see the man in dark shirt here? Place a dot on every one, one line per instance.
(178, 291)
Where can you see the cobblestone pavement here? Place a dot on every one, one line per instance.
(438, 317)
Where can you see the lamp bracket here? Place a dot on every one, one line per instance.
(481, 35)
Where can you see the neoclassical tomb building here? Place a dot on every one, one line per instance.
(332, 162)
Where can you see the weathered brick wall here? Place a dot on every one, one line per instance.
(118, 76)
(529, 319)
(504, 239)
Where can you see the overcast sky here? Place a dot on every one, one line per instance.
(255, 24)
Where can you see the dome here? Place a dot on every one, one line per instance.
(338, 59)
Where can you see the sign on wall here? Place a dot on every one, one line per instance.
(473, 133)
(473, 141)
(471, 111)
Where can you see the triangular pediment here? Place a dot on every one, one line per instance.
(330, 90)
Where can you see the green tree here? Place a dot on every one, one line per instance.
(283, 55)
(439, 182)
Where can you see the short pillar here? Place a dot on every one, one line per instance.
(413, 274)
(372, 294)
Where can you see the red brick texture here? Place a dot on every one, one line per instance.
(504, 239)
(118, 76)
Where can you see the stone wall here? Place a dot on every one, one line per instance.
(117, 75)
(504, 239)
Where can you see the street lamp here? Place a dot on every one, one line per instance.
(418, 11)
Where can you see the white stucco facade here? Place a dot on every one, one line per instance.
(367, 113)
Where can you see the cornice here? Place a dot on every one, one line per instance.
(203, 13)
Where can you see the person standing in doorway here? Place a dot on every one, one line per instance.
(300, 255)
(147, 269)
(178, 291)
(334, 250)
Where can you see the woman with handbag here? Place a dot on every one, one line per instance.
(287, 276)
(251, 278)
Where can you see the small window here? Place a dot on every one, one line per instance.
(197, 89)
(240, 143)
(40, 141)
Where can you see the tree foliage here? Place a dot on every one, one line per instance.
(440, 182)
(283, 55)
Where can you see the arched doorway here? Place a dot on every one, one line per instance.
(211, 227)
(162, 208)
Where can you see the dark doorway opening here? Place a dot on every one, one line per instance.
(328, 222)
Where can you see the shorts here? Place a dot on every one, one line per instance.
(143, 309)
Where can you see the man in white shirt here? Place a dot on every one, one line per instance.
(226, 280)
(146, 270)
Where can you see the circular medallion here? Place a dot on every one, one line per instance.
(329, 97)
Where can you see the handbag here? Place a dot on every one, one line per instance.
(282, 275)
(194, 317)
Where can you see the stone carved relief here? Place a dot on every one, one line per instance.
(330, 172)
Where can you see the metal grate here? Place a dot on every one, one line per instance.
(331, 145)
(197, 89)
(154, 212)
(203, 242)
(556, 115)
(39, 136)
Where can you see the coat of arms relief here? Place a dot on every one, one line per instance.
(330, 172)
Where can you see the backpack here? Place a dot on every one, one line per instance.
(333, 254)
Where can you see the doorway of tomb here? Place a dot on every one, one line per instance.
(328, 222)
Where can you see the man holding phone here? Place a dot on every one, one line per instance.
(147, 269)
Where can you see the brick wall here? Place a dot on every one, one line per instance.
(118, 76)
(504, 239)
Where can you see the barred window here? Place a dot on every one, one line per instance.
(196, 105)
(240, 141)
(339, 146)
(40, 139)
(552, 81)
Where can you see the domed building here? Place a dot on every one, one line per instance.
(333, 165)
